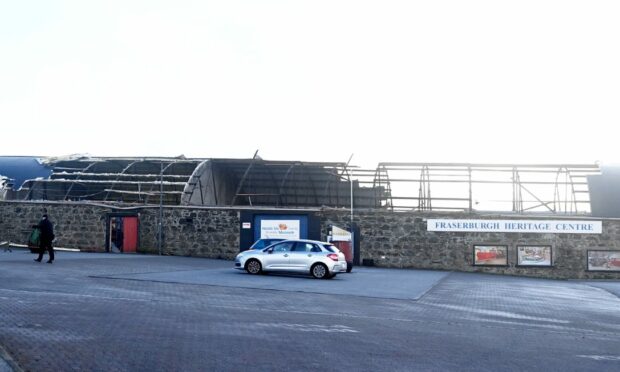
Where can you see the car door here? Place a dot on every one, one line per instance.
(277, 256)
(302, 256)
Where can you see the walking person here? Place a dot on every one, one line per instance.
(45, 239)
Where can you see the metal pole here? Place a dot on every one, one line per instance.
(161, 207)
(470, 193)
(352, 233)
(351, 182)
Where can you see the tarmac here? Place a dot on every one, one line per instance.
(182, 313)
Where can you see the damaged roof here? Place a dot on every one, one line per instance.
(191, 181)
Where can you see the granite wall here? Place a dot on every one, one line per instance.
(200, 232)
(401, 240)
(75, 225)
(398, 240)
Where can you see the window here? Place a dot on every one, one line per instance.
(303, 247)
(331, 248)
(283, 247)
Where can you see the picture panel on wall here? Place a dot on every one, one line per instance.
(534, 255)
(603, 260)
(490, 255)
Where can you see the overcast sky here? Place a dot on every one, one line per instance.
(416, 81)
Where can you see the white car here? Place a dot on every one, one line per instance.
(319, 259)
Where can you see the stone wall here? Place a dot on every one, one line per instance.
(200, 232)
(398, 240)
(75, 225)
(401, 240)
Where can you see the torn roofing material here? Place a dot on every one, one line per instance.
(204, 182)
(18, 169)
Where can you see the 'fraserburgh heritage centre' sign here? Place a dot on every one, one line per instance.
(517, 226)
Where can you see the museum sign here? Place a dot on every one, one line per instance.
(517, 226)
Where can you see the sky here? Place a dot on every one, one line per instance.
(313, 80)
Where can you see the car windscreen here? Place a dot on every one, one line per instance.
(263, 243)
(259, 244)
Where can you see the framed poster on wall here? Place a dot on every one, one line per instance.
(279, 229)
(534, 255)
(603, 260)
(490, 255)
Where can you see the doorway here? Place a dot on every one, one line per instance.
(122, 234)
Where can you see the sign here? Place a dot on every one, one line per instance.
(246, 225)
(517, 226)
(340, 235)
(279, 229)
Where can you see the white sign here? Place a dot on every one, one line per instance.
(282, 229)
(340, 235)
(246, 225)
(517, 226)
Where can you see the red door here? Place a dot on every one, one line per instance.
(130, 234)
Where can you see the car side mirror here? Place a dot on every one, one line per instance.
(270, 250)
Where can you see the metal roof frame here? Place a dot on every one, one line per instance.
(567, 184)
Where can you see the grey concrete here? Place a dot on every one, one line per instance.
(111, 312)
(362, 281)
(4, 366)
(610, 286)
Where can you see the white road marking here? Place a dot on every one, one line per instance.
(309, 327)
(601, 357)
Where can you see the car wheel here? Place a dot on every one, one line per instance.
(349, 267)
(253, 267)
(319, 271)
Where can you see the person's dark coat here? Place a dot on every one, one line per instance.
(46, 238)
(47, 231)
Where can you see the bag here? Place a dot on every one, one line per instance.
(35, 238)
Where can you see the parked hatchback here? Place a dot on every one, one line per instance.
(319, 259)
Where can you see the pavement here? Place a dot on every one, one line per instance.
(368, 282)
(114, 312)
